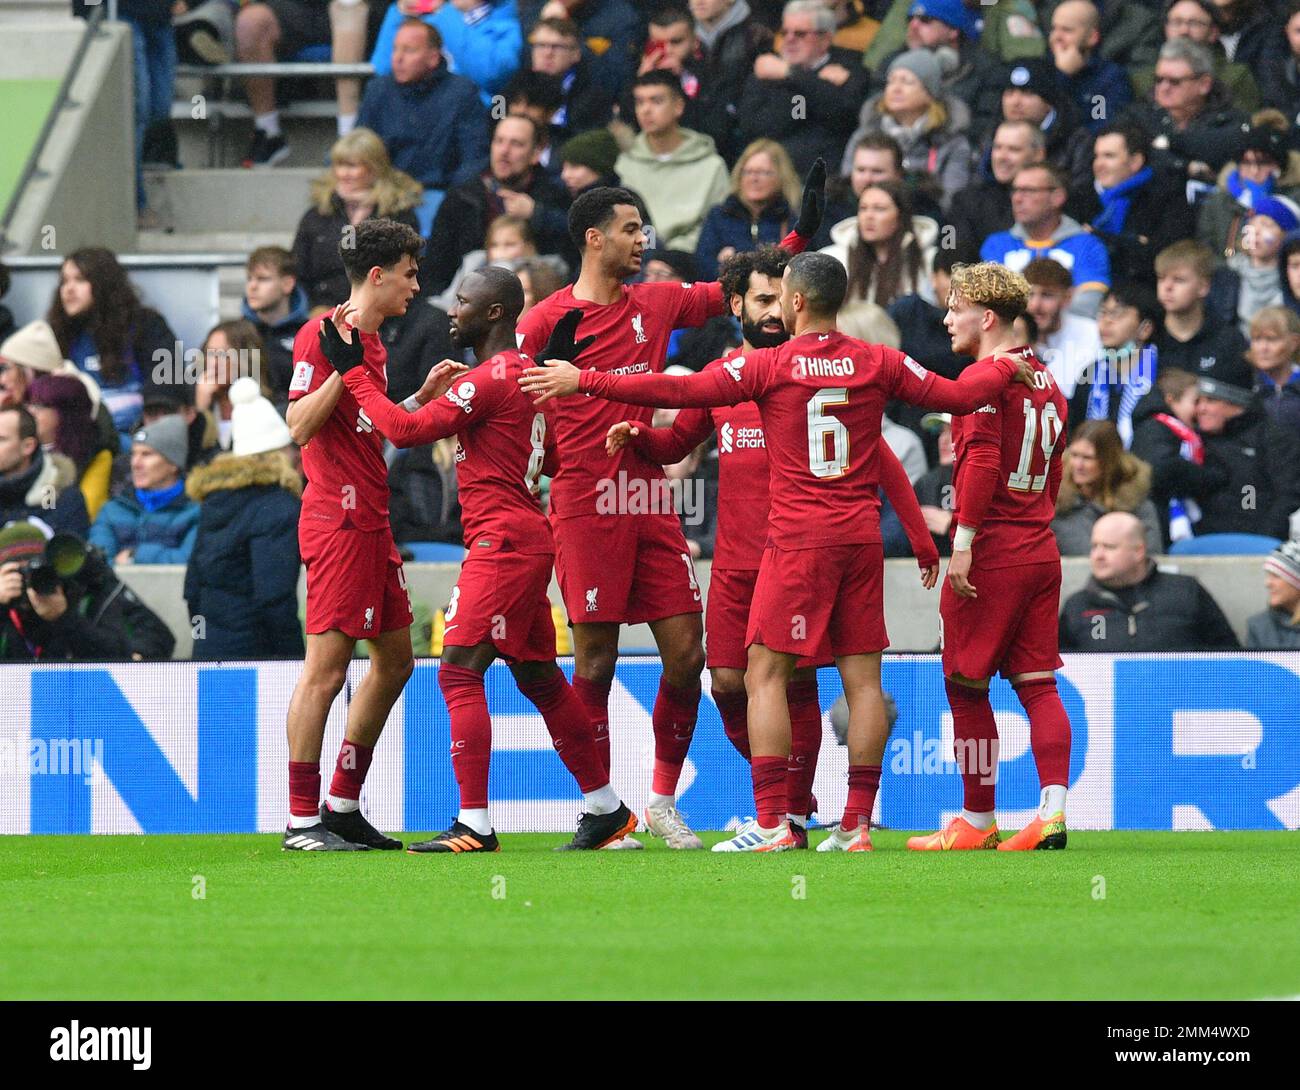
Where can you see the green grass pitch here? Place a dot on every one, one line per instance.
(1115, 916)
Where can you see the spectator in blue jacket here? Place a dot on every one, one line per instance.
(429, 119)
(759, 209)
(1098, 88)
(242, 579)
(153, 521)
(481, 39)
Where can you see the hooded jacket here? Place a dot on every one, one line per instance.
(278, 339)
(678, 188)
(1261, 460)
(46, 490)
(1164, 612)
(1073, 526)
(939, 157)
(1084, 255)
(1272, 630)
(732, 224)
(844, 235)
(164, 536)
(242, 578)
(435, 129)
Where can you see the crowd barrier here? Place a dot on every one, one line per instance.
(1160, 742)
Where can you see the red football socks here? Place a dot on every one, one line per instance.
(595, 698)
(350, 769)
(570, 729)
(1049, 730)
(673, 718)
(471, 732)
(864, 782)
(734, 710)
(805, 743)
(769, 790)
(975, 745)
(304, 788)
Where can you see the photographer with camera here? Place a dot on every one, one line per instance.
(60, 602)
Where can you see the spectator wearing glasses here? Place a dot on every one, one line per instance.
(1198, 21)
(759, 210)
(609, 29)
(555, 50)
(1194, 123)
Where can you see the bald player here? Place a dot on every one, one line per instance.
(499, 606)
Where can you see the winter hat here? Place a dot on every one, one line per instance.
(1284, 562)
(1267, 141)
(255, 425)
(1035, 76)
(1226, 391)
(952, 12)
(596, 150)
(1281, 210)
(20, 541)
(169, 436)
(936, 422)
(925, 66)
(34, 346)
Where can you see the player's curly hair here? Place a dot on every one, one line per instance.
(737, 269)
(989, 284)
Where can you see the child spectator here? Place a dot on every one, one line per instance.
(1165, 437)
(152, 522)
(242, 578)
(276, 304)
(1124, 371)
(1278, 627)
(1188, 338)
(1099, 476)
(1274, 351)
(1256, 263)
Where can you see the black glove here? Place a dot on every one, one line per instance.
(812, 206)
(342, 355)
(561, 345)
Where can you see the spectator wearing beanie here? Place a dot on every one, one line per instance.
(1278, 627)
(1265, 168)
(1031, 92)
(242, 578)
(1253, 280)
(153, 521)
(929, 125)
(588, 161)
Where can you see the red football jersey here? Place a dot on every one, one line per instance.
(631, 338)
(503, 440)
(821, 397)
(1020, 436)
(347, 478)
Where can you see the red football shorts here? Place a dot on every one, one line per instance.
(500, 598)
(819, 602)
(726, 620)
(355, 582)
(624, 568)
(1011, 628)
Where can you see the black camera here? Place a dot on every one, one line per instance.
(66, 559)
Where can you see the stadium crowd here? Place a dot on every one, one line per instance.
(1138, 162)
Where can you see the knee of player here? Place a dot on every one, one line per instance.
(685, 668)
(725, 682)
(599, 668)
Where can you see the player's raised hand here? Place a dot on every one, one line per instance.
(812, 206)
(959, 573)
(619, 436)
(341, 348)
(439, 379)
(930, 576)
(561, 345)
(556, 378)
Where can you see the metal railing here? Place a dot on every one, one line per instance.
(61, 101)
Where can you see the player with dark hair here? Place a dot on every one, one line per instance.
(751, 284)
(499, 606)
(998, 614)
(617, 564)
(821, 396)
(356, 588)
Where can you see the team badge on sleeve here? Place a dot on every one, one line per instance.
(302, 373)
(914, 367)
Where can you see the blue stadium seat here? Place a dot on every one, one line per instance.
(1225, 545)
(314, 54)
(436, 552)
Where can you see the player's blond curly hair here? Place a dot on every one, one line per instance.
(988, 284)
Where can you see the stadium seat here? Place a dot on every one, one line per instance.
(1225, 545)
(435, 552)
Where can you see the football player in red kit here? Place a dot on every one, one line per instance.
(499, 606)
(356, 589)
(751, 284)
(998, 608)
(821, 397)
(617, 563)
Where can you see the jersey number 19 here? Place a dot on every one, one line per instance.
(1046, 433)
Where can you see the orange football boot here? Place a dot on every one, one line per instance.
(959, 836)
(1038, 835)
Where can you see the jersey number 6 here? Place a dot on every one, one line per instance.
(822, 426)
